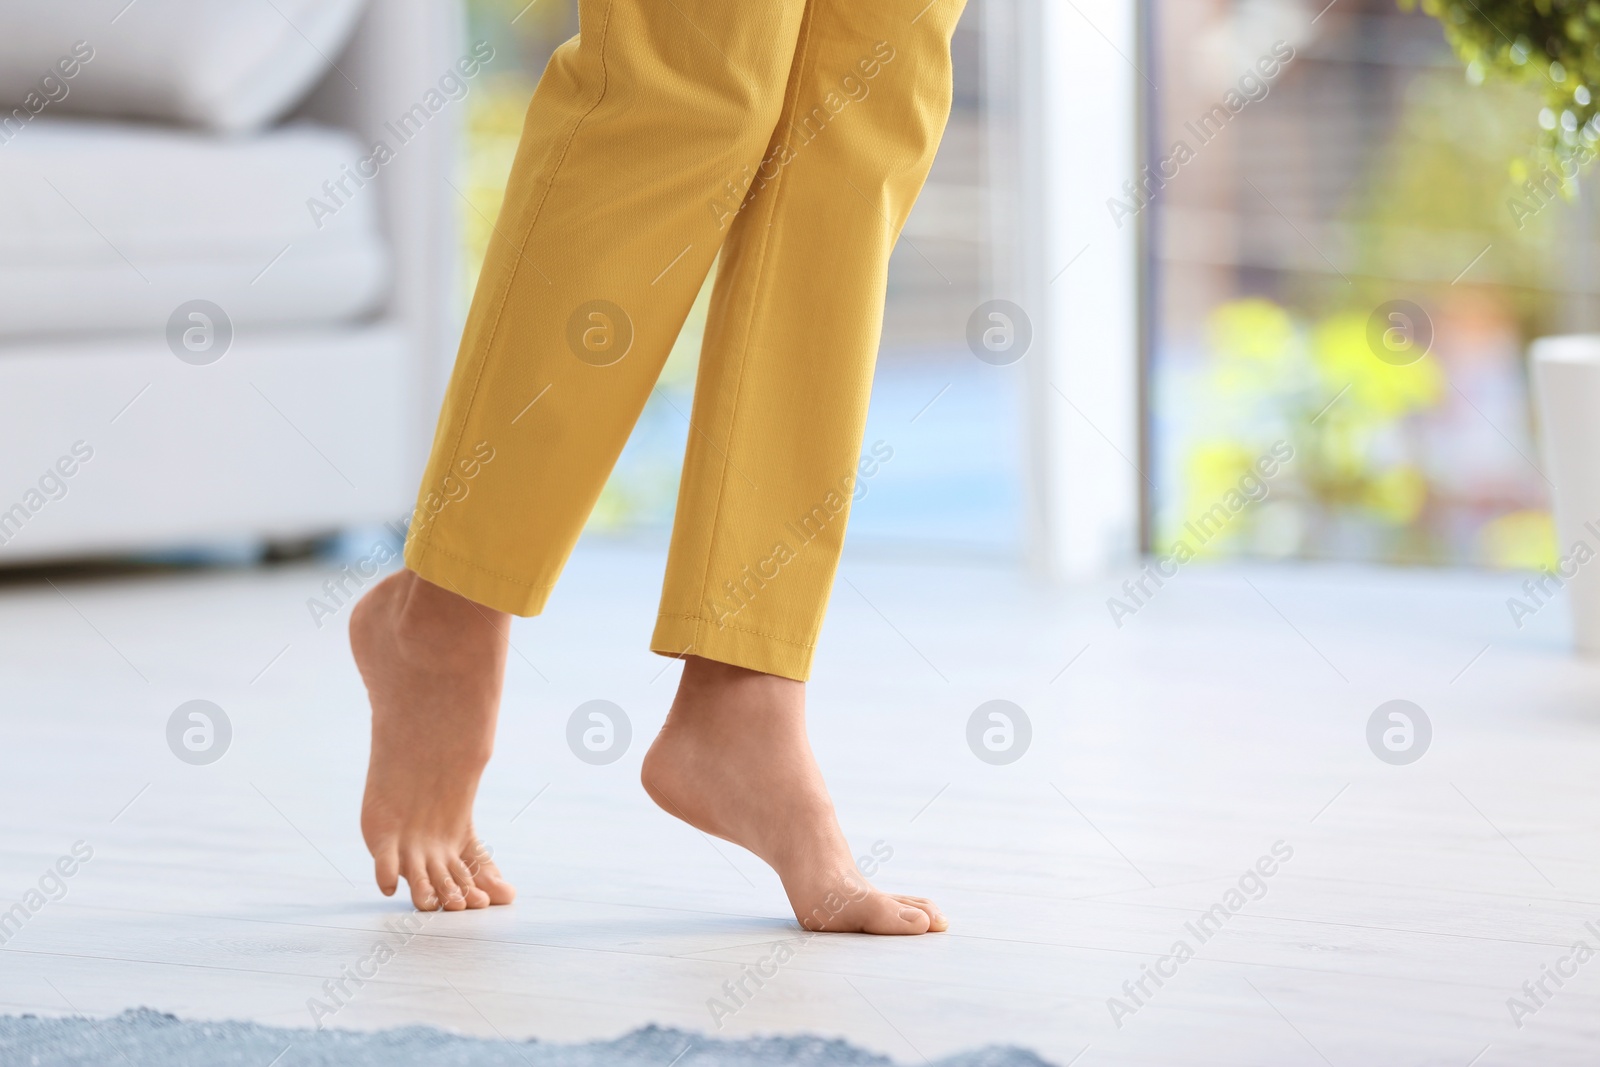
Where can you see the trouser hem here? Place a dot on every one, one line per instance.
(691, 635)
(477, 583)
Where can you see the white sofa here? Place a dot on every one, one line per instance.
(318, 414)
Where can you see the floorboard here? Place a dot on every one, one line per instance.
(1167, 756)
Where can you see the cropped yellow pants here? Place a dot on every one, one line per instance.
(791, 136)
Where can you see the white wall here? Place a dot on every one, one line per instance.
(1077, 98)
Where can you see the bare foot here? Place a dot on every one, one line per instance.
(433, 662)
(733, 760)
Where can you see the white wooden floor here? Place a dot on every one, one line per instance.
(1228, 715)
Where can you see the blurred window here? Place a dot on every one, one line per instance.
(1331, 186)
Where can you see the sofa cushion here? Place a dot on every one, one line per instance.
(106, 226)
(219, 64)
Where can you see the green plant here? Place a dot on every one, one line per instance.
(1553, 45)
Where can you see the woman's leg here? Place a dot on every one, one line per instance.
(786, 369)
(781, 403)
(598, 252)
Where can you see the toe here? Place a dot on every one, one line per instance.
(439, 874)
(489, 879)
(883, 914)
(386, 867)
(415, 872)
(475, 897)
(936, 918)
(879, 913)
(479, 861)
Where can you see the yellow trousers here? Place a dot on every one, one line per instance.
(791, 136)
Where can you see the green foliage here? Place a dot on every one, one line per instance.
(1271, 374)
(1552, 45)
(1437, 193)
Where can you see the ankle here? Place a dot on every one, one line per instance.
(699, 672)
(713, 685)
(425, 613)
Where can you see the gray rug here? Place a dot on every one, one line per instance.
(144, 1037)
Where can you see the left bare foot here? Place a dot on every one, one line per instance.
(432, 662)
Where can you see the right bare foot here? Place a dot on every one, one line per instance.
(732, 760)
(433, 662)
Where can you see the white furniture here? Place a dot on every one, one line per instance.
(1566, 380)
(319, 413)
(220, 66)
